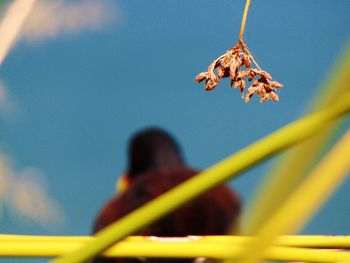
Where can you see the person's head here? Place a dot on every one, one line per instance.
(155, 167)
(151, 149)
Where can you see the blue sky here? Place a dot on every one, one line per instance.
(78, 94)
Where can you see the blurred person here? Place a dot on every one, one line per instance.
(155, 165)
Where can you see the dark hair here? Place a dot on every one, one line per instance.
(150, 149)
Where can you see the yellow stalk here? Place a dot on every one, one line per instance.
(176, 249)
(204, 181)
(282, 179)
(306, 200)
(291, 241)
(244, 19)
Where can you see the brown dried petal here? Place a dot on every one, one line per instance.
(234, 50)
(235, 64)
(222, 72)
(252, 74)
(268, 88)
(246, 61)
(251, 91)
(225, 62)
(242, 85)
(251, 77)
(255, 83)
(275, 84)
(274, 96)
(270, 95)
(263, 81)
(201, 76)
(257, 88)
(212, 67)
(254, 71)
(242, 74)
(211, 84)
(247, 97)
(265, 98)
(239, 84)
(262, 90)
(235, 83)
(264, 74)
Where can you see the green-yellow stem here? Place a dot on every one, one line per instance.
(176, 249)
(305, 200)
(305, 241)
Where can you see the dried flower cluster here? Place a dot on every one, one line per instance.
(230, 65)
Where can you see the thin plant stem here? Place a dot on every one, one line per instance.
(215, 250)
(305, 201)
(306, 241)
(244, 19)
(219, 173)
(252, 58)
(241, 33)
